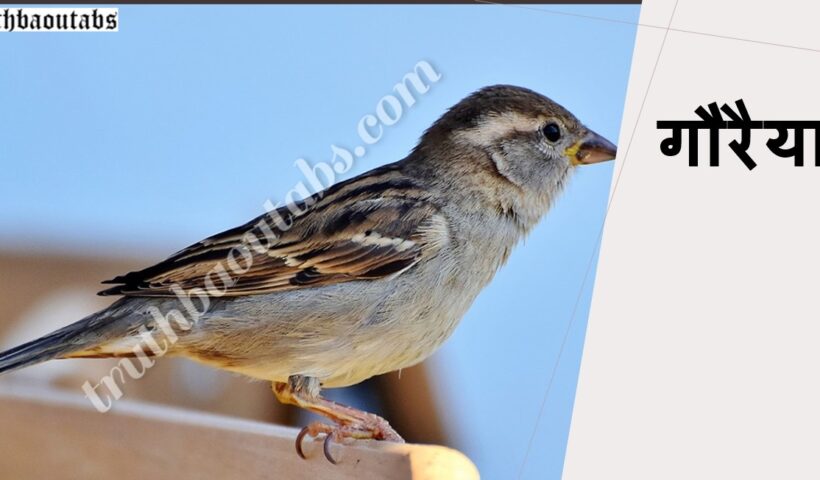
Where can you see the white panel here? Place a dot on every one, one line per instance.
(702, 357)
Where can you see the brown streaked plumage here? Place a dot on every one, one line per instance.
(367, 277)
(387, 226)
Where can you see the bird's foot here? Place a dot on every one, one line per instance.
(374, 428)
(348, 422)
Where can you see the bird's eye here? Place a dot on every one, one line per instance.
(552, 132)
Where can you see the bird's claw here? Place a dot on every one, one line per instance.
(340, 432)
(313, 429)
(299, 439)
(326, 448)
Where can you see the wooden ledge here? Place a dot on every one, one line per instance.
(55, 434)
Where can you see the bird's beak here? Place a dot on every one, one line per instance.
(592, 148)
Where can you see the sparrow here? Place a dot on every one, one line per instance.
(369, 276)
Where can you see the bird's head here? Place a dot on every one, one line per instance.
(524, 141)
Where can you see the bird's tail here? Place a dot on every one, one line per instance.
(76, 340)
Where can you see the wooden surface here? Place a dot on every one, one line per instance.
(54, 434)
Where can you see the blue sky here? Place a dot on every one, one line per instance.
(185, 121)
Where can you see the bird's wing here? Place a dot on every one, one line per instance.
(356, 232)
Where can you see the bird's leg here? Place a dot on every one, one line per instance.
(303, 392)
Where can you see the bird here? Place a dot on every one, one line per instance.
(368, 276)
